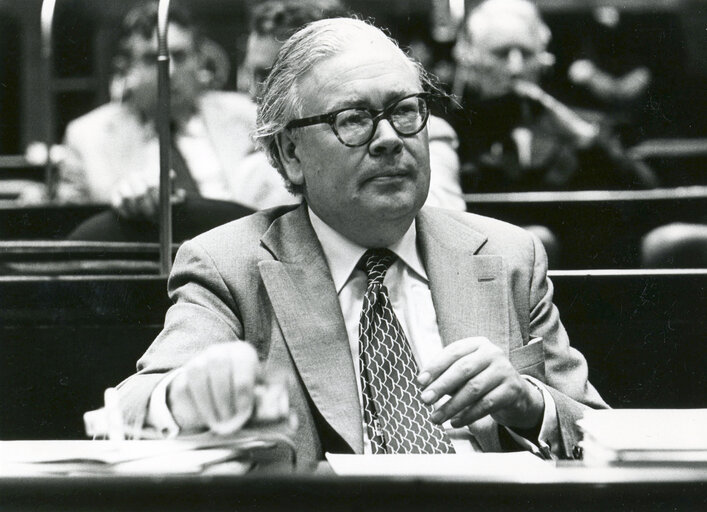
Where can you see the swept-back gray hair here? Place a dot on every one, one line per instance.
(281, 99)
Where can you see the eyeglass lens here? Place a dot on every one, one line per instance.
(355, 126)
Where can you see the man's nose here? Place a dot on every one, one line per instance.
(386, 140)
(515, 62)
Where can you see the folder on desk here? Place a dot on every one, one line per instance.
(129, 457)
(645, 436)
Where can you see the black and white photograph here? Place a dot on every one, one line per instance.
(353, 255)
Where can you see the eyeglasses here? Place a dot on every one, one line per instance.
(356, 126)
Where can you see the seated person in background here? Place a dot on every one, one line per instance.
(519, 137)
(113, 151)
(675, 245)
(305, 290)
(272, 22)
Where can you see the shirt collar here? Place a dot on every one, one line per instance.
(342, 254)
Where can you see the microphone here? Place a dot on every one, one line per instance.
(164, 136)
(46, 24)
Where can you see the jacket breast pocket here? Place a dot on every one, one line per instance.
(529, 359)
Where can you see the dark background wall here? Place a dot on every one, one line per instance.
(666, 35)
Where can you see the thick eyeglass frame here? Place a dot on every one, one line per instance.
(376, 116)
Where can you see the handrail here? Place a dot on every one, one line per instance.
(47, 21)
(631, 272)
(590, 196)
(70, 248)
(656, 148)
(163, 130)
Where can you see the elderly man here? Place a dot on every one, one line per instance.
(272, 22)
(401, 329)
(520, 138)
(113, 153)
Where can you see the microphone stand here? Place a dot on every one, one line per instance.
(164, 134)
(47, 21)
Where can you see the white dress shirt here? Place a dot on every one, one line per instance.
(411, 299)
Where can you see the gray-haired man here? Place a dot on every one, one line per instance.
(401, 329)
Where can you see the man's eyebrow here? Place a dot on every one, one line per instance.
(355, 101)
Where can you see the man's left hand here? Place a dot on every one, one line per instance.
(480, 380)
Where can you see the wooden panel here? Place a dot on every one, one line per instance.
(63, 340)
(596, 229)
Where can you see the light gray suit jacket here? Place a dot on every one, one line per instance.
(110, 143)
(264, 279)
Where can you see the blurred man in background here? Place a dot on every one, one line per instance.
(520, 138)
(113, 152)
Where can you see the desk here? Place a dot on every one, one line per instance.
(572, 488)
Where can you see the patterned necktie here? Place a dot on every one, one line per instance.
(397, 421)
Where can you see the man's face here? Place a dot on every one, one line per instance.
(184, 72)
(506, 49)
(260, 56)
(357, 189)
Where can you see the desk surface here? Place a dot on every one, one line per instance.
(572, 487)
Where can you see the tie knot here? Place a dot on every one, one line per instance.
(377, 262)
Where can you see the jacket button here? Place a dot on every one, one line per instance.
(577, 452)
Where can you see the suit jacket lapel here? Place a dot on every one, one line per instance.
(469, 290)
(305, 302)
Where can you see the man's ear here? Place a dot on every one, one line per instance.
(287, 148)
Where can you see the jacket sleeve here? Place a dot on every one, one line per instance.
(203, 313)
(565, 367)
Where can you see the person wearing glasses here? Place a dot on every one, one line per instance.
(400, 329)
(113, 151)
(271, 23)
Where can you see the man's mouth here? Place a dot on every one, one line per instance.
(388, 175)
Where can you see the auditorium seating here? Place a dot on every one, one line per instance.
(63, 339)
(677, 162)
(596, 229)
(37, 257)
(47, 222)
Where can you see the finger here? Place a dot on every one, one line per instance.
(458, 375)
(220, 389)
(245, 367)
(199, 394)
(182, 403)
(447, 356)
(496, 398)
(469, 394)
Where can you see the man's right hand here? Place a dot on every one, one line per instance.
(215, 389)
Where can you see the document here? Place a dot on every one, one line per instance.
(645, 436)
(515, 466)
(126, 457)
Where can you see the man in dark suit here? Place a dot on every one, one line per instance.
(401, 329)
(517, 137)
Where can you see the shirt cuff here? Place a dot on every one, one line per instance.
(549, 438)
(159, 416)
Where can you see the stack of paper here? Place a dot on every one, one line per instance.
(645, 436)
(507, 467)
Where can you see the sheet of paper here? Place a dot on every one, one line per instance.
(516, 466)
(125, 457)
(647, 429)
